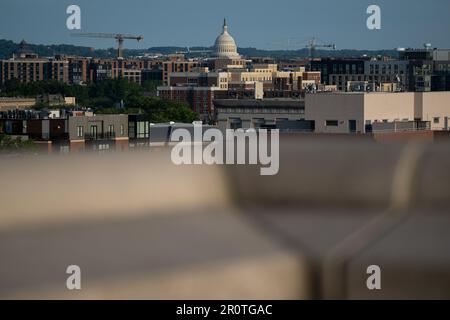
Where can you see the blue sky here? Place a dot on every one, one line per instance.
(266, 24)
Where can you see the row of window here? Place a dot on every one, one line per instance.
(335, 123)
(94, 130)
(261, 110)
(256, 79)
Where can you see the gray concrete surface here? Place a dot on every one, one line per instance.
(140, 227)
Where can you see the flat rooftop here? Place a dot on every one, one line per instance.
(272, 103)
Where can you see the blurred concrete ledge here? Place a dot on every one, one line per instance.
(348, 174)
(278, 276)
(52, 189)
(141, 227)
(186, 255)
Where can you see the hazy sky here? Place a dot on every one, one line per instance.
(264, 24)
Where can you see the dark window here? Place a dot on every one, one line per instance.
(332, 123)
(94, 131)
(352, 126)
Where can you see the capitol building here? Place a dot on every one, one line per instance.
(225, 46)
(225, 51)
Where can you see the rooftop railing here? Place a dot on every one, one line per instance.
(100, 136)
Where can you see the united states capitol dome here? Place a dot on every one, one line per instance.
(225, 47)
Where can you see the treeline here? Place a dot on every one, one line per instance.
(108, 96)
(7, 48)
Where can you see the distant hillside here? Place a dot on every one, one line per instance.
(303, 53)
(7, 48)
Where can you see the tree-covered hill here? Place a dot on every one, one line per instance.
(7, 48)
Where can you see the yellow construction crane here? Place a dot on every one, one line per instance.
(119, 38)
(312, 46)
(310, 43)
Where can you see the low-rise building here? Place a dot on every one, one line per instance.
(343, 112)
(55, 99)
(257, 113)
(7, 103)
(74, 131)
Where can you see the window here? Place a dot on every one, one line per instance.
(436, 120)
(111, 128)
(80, 131)
(103, 146)
(142, 129)
(94, 130)
(122, 130)
(332, 123)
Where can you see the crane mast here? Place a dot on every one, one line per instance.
(118, 36)
(312, 46)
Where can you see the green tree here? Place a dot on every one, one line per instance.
(151, 85)
(9, 144)
(103, 96)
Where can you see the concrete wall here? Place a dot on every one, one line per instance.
(249, 119)
(362, 107)
(436, 105)
(334, 106)
(102, 122)
(385, 106)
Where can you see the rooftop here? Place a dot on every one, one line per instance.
(273, 103)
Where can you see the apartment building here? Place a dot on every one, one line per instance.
(176, 66)
(200, 98)
(29, 68)
(102, 69)
(379, 72)
(201, 77)
(224, 64)
(428, 69)
(133, 75)
(338, 71)
(296, 80)
(78, 70)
